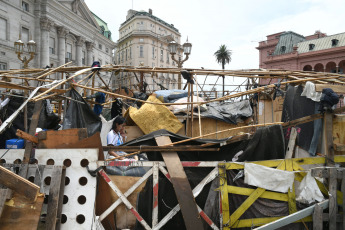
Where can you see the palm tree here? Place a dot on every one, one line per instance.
(223, 56)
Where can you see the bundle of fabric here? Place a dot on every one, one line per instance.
(183, 108)
(152, 117)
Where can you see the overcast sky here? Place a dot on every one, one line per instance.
(240, 25)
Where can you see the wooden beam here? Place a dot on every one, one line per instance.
(26, 136)
(181, 186)
(19, 184)
(178, 148)
(327, 138)
(291, 145)
(335, 88)
(32, 130)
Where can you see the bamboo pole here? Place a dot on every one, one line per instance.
(53, 70)
(197, 99)
(205, 135)
(62, 82)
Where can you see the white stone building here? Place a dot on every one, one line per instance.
(64, 30)
(143, 41)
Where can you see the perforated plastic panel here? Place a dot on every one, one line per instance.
(80, 186)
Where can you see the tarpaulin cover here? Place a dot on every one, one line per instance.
(80, 115)
(270, 136)
(296, 106)
(228, 112)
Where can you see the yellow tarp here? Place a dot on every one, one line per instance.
(151, 118)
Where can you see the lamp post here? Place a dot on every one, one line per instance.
(19, 49)
(187, 47)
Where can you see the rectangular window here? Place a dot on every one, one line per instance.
(118, 59)
(141, 53)
(51, 45)
(107, 50)
(141, 40)
(130, 52)
(25, 6)
(3, 29)
(100, 46)
(126, 54)
(122, 54)
(168, 58)
(161, 55)
(3, 66)
(153, 52)
(25, 35)
(68, 52)
(83, 58)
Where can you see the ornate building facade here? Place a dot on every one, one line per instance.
(64, 30)
(143, 41)
(291, 51)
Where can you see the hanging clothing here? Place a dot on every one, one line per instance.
(116, 108)
(100, 99)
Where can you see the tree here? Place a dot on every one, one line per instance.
(223, 56)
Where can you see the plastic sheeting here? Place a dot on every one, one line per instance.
(80, 115)
(308, 191)
(229, 112)
(310, 92)
(261, 176)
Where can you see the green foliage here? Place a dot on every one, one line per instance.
(223, 55)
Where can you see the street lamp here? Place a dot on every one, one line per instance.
(19, 49)
(187, 48)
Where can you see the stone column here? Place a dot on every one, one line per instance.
(62, 32)
(45, 28)
(80, 42)
(89, 48)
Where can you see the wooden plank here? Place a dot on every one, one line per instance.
(55, 198)
(327, 138)
(339, 147)
(335, 88)
(3, 198)
(181, 186)
(32, 130)
(291, 193)
(317, 217)
(333, 201)
(19, 184)
(26, 136)
(267, 194)
(246, 204)
(224, 195)
(291, 145)
(185, 148)
(20, 213)
(53, 139)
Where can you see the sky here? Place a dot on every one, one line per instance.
(239, 25)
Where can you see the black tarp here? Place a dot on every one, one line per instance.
(46, 120)
(267, 144)
(296, 106)
(80, 115)
(228, 112)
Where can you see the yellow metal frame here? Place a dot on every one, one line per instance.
(232, 220)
